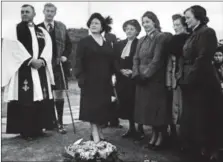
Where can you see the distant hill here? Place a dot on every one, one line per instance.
(77, 34)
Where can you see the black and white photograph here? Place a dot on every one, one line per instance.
(112, 81)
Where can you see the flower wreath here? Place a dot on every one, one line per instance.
(90, 151)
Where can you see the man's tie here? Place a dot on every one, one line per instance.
(50, 28)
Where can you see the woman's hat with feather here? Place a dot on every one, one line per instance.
(105, 22)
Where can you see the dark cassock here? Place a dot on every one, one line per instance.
(26, 89)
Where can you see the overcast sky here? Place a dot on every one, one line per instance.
(76, 14)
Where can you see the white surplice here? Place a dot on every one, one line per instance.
(13, 56)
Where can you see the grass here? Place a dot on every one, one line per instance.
(51, 148)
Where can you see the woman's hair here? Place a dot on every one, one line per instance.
(105, 22)
(182, 20)
(199, 13)
(134, 23)
(153, 17)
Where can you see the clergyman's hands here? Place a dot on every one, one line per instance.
(37, 63)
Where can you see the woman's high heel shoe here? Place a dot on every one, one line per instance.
(158, 147)
(152, 142)
(149, 146)
(160, 144)
(101, 139)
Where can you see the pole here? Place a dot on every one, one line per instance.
(65, 85)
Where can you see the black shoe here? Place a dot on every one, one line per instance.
(116, 126)
(158, 147)
(27, 138)
(161, 146)
(61, 129)
(103, 139)
(104, 126)
(129, 134)
(139, 136)
(149, 146)
(40, 134)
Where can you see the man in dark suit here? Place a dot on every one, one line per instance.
(62, 48)
(28, 87)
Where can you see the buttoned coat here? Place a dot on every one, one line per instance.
(151, 99)
(94, 67)
(200, 87)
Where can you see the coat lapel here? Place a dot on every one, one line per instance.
(42, 25)
(133, 48)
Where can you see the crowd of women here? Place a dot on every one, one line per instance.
(162, 80)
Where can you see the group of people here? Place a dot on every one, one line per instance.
(34, 82)
(162, 80)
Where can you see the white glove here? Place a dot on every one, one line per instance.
(113, 79)
(113, 98)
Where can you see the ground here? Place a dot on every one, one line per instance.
(50, 148)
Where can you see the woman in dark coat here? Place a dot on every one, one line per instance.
(174, 70)
(149, 71)
(93, 70)
(199, 84)
(125, 86)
